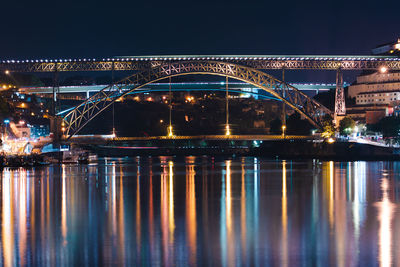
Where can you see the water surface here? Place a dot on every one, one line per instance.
(201, 211)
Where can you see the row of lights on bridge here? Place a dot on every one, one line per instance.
(194, 58)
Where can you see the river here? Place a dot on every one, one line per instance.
(202, 211)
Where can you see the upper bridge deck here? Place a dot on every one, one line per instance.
(132, 63)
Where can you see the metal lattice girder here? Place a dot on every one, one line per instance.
(340, 105)
(256, 62)
(83, 113)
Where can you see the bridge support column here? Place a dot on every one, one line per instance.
(283, 106)
(227, 128)
(56, 128)
(340, 105)
(56, 90)
(114, 134)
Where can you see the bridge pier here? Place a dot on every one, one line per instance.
(283, 104)
(56, 90)
(340, 105)
(56, 128)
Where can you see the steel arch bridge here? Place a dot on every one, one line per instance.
(76, 119)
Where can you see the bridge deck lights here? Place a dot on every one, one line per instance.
(283, 130)
(227, 130)
(383, 69)
(170, 131)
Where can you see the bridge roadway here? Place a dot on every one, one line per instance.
(189, 86)
(107, 138)
(134, 63)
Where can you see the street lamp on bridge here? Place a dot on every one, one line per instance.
(283, 130)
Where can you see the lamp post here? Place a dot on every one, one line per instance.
(283, 131)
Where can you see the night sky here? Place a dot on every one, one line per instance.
(70, 29)
(35, 29)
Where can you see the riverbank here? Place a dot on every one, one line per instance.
(285, 149)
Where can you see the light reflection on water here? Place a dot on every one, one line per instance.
(202, 211)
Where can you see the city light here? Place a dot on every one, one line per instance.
(189, 99)
(227, 130)
(7, 72)
(170, 131)
(383, 69)
(331, 140)
(283, 130)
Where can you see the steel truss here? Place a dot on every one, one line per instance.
(255, 62)
(340, 106)
(76, 119)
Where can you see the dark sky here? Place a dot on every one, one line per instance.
(55, 29)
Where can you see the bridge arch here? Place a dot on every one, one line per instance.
(77, 118)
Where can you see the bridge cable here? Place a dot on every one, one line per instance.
(113, 111)
(170, 132)
(283, 103)
(227, 129)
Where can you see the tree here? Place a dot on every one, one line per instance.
(297, 126)
(276, 126)
(4, 109)
(388, 126)
(328, 127)
(346, 125)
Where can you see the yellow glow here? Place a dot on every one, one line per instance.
(331, 169)
(189, 98)
(331, 140)
(284, 217)
(229, 216)
(227, 130)
(151, 209)
(7, 229)
(7, 72)
(164, 212)
(121, 217)
(191, 223)
(171, 215)
(170, 131)
(22, 215)
(383, 69)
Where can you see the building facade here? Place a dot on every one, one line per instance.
(376, 83)
(376, 95)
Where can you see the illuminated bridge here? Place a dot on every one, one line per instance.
(248, 69)
(260, 62)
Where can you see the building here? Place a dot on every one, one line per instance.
(376, 95)
(376, 83)
(369, 114)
